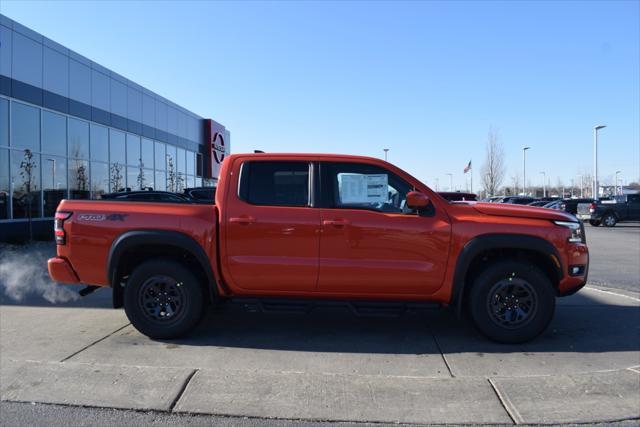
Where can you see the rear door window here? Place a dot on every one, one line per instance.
(277, 183)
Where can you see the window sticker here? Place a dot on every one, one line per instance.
(359, 188)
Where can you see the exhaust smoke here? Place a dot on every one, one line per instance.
(23, 274)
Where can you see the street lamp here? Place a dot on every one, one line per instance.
(572, 185)
(544, 184)
(386, 150)
(616, 189)
(524, 170)
(595, 160)
(450, 181)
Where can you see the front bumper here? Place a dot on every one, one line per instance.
(60, 270)
(578, 255)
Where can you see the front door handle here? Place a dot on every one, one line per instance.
(243, 220)
(336, 222)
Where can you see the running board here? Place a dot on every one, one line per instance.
(357, 308)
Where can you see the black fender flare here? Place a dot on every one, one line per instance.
(486, 242)
(158, 238)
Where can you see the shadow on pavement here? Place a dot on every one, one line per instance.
(589, 327)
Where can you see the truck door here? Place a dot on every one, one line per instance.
(272, 232)
(633, 207)
(371, 243)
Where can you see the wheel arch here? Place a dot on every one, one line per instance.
(132, 247)
(482, 249)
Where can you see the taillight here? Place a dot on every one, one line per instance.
(58, 227)
(592, 207)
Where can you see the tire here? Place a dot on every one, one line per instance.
(594, 223)
(163, 300)
(502, 285)
(609, 220)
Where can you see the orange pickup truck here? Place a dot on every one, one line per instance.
(316, 228)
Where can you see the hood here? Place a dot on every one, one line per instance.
(520, 211)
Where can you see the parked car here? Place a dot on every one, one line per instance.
(538, 203)
(457, 196)
(610, 212)
(556, 205)
(147, 196)
(571, 205)
(518, 200)
(201, 194)
(299, 229)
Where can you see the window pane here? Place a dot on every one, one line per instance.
(54, 133)
(117, 177)
(4, 183)
(78, 179)
(182, 164)
(275, 183)
(133, 150)
(4, 122)
(116, 147)
(161, 161)
(99, 179)
(78, 139)
(133, 178)
(360, 186)
(147, 153)
(25, 173)
(99, 143)
(54, 182)
(25, 127)
(199, 165)
(160, 183)
(191, 163)
(191, 181)
(198, 182)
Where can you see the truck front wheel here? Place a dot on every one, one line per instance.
(609, 220)
(162, 299)
(511, 302)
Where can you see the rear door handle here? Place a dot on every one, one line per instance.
(243, 220)
(336, 222)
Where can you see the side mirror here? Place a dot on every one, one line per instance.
(417, 200)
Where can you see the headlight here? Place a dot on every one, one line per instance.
(577, 232)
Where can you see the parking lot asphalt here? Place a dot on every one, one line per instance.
(242, 368)
(615, 255)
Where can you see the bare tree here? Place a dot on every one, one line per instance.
(171, 175)
(116, 179)
(493, 168)
(515, 183)
(141, 179)
(27, 166)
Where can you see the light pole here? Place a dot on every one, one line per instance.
(572, 185)
(544, 184)
(386, 150)
(595, 160)
(524, 170)
(581, 186)
(616, 189)
(450, 181)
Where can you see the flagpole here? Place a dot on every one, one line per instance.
(471, 170)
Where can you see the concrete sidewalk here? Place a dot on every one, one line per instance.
(427, 368)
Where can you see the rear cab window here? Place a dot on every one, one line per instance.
(275, 183)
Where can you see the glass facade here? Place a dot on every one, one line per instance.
(46, 156)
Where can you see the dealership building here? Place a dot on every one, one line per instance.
(71, 128)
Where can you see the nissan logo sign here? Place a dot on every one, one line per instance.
(217, 147)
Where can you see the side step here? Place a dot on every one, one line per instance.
(357, 308)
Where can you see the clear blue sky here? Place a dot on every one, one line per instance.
(426, 80)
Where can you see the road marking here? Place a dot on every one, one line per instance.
(613, 293)
(506, 404)
(636, 370)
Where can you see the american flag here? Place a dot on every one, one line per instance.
(468, 168)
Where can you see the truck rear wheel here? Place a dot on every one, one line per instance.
(594, 222)
(163, 300)
(609, 220)
(511, 302)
